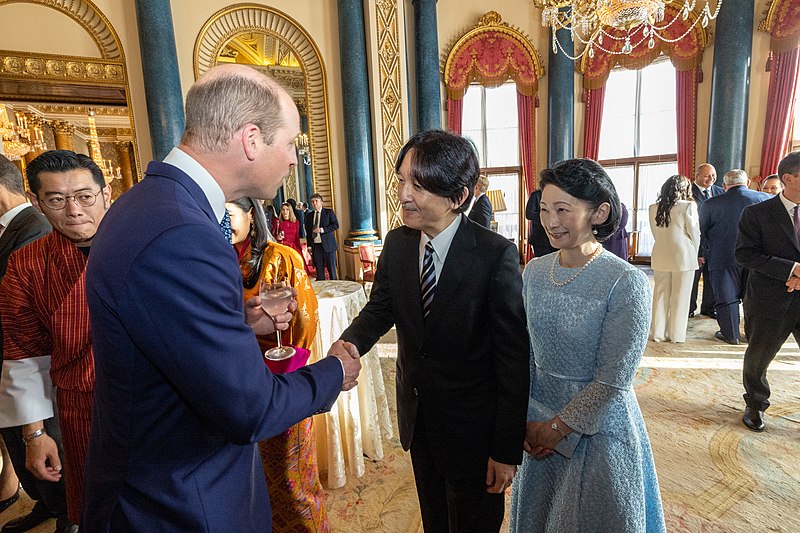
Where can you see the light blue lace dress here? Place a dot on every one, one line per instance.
(587, 339)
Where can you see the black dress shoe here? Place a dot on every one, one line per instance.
(709, 314)
(722, 337)
(691, 314)
(71, 528)
(8, 502)
(38, 514)
(753, 419)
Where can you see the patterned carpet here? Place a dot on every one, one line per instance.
(715, 475)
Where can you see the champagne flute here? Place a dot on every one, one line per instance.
(275, 299)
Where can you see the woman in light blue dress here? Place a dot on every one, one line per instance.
(589, 465)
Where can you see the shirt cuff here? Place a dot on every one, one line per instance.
(791, 272)
(26, 391)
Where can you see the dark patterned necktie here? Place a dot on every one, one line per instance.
(796, 221)
(705, 194)
(225, 226)
(427, 280)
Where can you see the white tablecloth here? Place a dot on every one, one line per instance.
(359, 420)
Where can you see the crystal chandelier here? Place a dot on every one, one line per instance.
(20, 138)
(303, 148)
(588, 20)
(109, 172)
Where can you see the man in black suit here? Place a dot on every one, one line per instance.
(719, 223)
(768, 245)
(703, 188)
(481, 212)
(20, 224)
(537, 236)
(453, 290)
(320, 225)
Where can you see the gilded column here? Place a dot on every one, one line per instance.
(63, 132)
(730, 86)
(561, 97)
(426, 50)
(124, 153)
(162, 84)
(357, 123)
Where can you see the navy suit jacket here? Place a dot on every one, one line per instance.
(715, 190)
(182, 393)
(329, 223)
(481, 212)
(719, 225)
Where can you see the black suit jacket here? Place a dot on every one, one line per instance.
(467, 365)
(768, 247)
(537, 237)
(328, 223)
(27, 226)
(719, 223)
(481, 212)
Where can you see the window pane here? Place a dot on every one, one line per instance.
(622, 177)
(619, 110)
(475, 136)
(501, 106)
(651, 177)
(471, 117)
(657, 122)
(502, 147)
(508, 220)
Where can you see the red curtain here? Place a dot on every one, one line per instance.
(527, 141)
(591, 124)
(455, 109)
(780, 110)
(686, 113)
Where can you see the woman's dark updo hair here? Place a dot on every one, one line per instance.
(259, 235)
(586, 180)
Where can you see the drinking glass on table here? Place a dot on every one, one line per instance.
(275, 299)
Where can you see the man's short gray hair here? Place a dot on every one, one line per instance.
(736, 176)
(220, 107)
(10, 176)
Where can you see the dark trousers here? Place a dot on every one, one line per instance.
(765, 336)
(707, 305)
(728, 285)
(451, 505)
(323, 259)
(52, 495)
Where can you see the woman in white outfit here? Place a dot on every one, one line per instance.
(675, 224)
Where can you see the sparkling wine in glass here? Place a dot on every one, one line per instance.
(275, 299)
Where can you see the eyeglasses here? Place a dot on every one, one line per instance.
(56, 202)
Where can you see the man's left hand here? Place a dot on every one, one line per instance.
(499, 476)
(262, 324)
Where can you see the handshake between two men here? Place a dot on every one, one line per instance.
(263, 324)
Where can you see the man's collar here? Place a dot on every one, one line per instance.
(183, 161)
(9, 215)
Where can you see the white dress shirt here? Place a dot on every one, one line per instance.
(183, 161)
(441, 245)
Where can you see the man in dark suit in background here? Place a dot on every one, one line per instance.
(453, 290)
(20, 224)
(703, 188)
(481, 212)
(320, 225)
(182, 394)
(719, 226)
(768, 246)
(537, 236)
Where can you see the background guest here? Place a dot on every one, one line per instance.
(286, 228)
(617, 243)
(481, 212)
(719, 225)
(588, 314)
(299, 215)
(290, 458)
(772, 184)
(537, 236)
(703, 188)
(320, 227)
(675, 224)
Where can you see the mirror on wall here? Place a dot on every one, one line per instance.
(275, 57)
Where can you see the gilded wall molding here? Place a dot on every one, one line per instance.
(390, 85)
(46, 67)
(248, 18)
(85, 13)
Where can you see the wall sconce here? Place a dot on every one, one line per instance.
(301, 143)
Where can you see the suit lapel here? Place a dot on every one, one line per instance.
(8, 240)
(456, 264)
(409, 268)
(778, 211)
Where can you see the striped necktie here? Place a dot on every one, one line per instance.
(225, 226)
(427, 280)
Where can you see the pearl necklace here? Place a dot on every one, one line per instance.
(557, 259)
